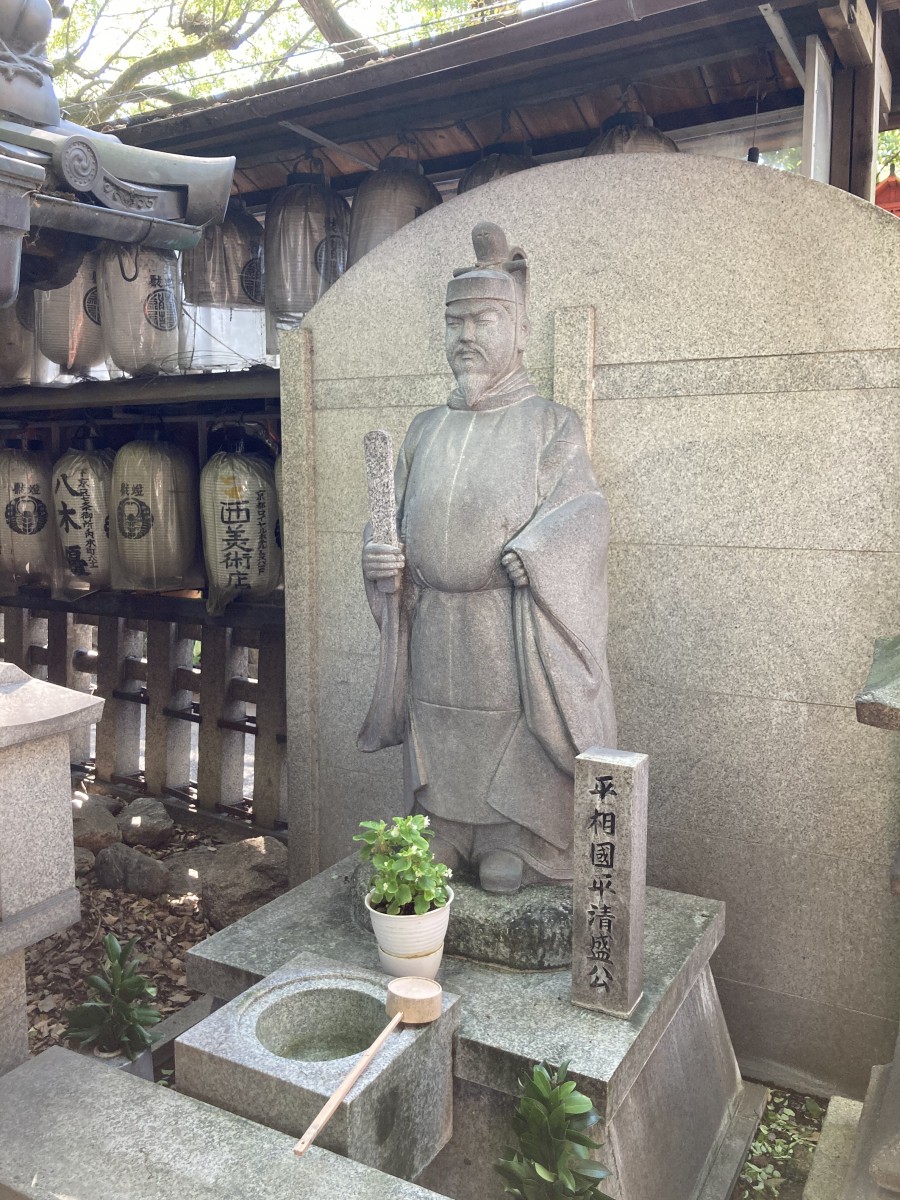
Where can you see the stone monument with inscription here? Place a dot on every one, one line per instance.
(488, 583)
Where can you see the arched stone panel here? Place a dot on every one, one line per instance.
(729, 335)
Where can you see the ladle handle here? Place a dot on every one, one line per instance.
(332, 1104)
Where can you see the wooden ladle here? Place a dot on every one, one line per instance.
(411, 1000)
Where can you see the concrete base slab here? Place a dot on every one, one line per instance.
(665, 1080)
(73, 1128)
(834, 1150)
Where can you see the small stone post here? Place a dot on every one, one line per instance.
(37, 862)
(609, 880)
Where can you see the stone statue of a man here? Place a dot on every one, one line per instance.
(502, 574)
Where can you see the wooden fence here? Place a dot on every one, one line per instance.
(143, 667)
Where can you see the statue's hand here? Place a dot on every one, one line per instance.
(515, 569)
(381, 561)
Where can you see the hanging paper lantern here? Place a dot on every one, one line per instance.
(495, 165)
(140, 292)
(226, 265)
(631, 133)
(279, 532)
(388, 199)
(17, 341)
(307, 228)
(28, 553)
(153, 522)
(239, 515)
(222, 325)
(82, 479)
(68, 322)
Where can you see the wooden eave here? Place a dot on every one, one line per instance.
(548, 79)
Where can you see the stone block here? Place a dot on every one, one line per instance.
(768, 1030)
(610, 880)
(725, 645)
(754, 769)
(13, 1017)
(58, 1109)
(812, 885)
(676, 471)
(833, 1150)
(276, 1053)
(35, 824)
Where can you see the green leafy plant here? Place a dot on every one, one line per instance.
(406, 878)
(552, 1159)
(117, 1020)
(781, 1151)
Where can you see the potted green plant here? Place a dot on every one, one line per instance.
(409, 897)
(116, 1022)
(552, 1159)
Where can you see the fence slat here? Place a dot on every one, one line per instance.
(17, 637)
(220, 772)
(268, 762)
(167, 744)
(64, 640)
(118, 749)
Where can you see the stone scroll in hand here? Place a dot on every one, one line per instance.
(385, 722)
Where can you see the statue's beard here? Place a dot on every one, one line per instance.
(473, 385)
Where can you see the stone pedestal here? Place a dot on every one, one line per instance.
(37, 867)
(677, 1119)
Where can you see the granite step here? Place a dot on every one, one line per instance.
(74, 1128)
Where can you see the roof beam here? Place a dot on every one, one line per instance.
(781, 33)
(851, 29)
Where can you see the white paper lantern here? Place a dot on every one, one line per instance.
(140, 292)
(386, 200)
(226, 265)
(68, 322)
(154, 519)
(82, 480)
(496, 165)
(307, 231)
(631, 133)
(28, 553)
(17, 349)
(279, 490)
(215, 337)
(239, 514)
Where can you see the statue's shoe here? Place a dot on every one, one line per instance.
(500, 872)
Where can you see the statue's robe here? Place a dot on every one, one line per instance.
(503, 686)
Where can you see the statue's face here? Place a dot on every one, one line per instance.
(483, 344)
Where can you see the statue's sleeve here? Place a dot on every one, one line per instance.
(561, 618)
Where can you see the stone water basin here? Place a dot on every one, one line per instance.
(276, 1053)
(319, 1022)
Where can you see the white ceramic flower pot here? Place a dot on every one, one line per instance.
(411, 945)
